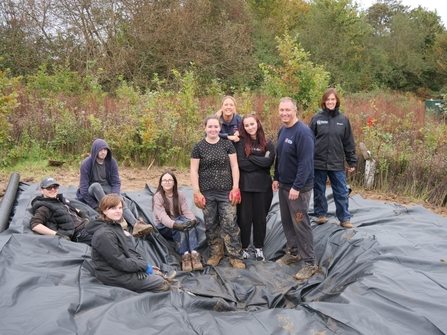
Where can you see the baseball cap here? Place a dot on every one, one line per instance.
(48, 181)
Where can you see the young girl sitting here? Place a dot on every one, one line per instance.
(174, 220)
(115, 261)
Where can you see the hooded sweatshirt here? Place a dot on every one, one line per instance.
(86, 173)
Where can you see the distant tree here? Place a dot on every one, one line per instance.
(335, 34)
(297, 77)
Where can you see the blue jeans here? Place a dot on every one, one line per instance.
(339, 189)
(184, 240)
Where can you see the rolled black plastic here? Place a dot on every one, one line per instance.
(7, 202)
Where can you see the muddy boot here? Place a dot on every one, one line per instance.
(169, 279)
(321, 220)
(237, 263)
(214, 260)
(140, 228)
(346, 224)
(216, 254)
(186, 263)
(196, 263)
(123, 223)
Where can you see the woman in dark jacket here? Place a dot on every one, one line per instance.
(114, 262)
(334, 142)
(255, 155)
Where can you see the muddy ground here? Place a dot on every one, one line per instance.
(134, 179)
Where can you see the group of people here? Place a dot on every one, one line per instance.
(230, 175)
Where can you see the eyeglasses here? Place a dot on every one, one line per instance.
(167, 181)
(52, 187)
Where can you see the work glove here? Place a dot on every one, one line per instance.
(178, 225)
(199, 200)
(149, 269)
(235, 196)
(141, 275)
(63, 236)
(190, 224)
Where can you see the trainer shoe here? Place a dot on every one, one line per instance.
(288, 259)
(186, 263)
(214, 260)
(259, 255)
(140, 228)
(245, 254)
(346, 224)
(196, 263)
(237, 263)
(321, 220)
(307, 271)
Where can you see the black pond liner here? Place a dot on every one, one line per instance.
(387, 275)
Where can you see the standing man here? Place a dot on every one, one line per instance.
(54, 215)
(294, 179)
(99, 176)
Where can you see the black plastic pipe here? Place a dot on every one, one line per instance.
(8, 200)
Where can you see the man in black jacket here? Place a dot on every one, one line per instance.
(53, 214)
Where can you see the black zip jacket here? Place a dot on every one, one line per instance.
(334, 141)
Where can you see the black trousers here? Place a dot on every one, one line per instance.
(252, 212)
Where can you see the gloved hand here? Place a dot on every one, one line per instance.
(149, 269)
(63, 236)
(188, 225)
(235, 196)
(199, 199)
(178, 225)
(141, 275)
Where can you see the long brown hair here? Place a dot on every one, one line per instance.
(248, 141)
(175, 202)
(326, 95)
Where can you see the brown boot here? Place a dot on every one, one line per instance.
(123, 223)
(237, 263)
(196, 263)
(214, 260)
(346, 224)
(140, 228)
(321, 220)
(186, 263)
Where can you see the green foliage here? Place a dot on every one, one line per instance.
(408, 146)
(336, 36)
(297, 78)
(8, 102)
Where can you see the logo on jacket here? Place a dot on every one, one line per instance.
(339, 124)
(288, 141)
(322, 122)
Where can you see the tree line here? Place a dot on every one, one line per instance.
(386, 46)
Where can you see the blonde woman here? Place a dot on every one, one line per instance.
(231, 121)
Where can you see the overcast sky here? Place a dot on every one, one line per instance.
(439, 5)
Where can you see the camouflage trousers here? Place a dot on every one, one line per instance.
(221, 228)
